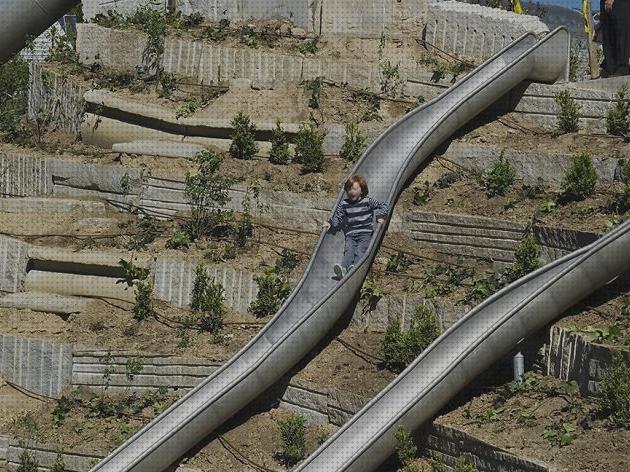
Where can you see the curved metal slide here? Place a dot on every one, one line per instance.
(23, 18)
(318, 301)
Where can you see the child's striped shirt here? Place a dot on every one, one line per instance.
(358, 215)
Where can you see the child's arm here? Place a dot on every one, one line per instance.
(380, 209)
(338, 215)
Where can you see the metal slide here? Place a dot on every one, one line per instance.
(318, 301)
(23, 18)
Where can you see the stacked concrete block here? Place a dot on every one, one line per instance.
(75, 459)
(475, 31)
(174, 373)
(91, 8)
(24, 175)
(13, 260)
(174, 282)
(41, 366)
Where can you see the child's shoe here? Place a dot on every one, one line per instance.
(339, 271)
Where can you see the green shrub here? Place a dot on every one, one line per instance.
(243, 140)
(580, 180)
(354, 143)
(307, 47)
(401, 348)
(207, 301)
(618, 117)
(315, 87)
(309, 148)
(207, 191)
(293, 436)
(569, 112)
(287, 261)
(499, 179)
(398, 263)
(14, 78)
(272, 291)
(391, 82)
(179, 239)
(614, 394)
(279, 153)
(143, 308)
(28, 462)
(406, 450)
(462, 465)
(526, 257)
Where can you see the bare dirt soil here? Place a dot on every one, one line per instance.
(517, 421)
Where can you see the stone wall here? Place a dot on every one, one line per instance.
(43, 367)
(475, 31)
(13, 258)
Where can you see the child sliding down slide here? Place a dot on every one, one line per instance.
(356, 214)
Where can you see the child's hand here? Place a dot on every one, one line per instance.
(326, 225)
(380, 220)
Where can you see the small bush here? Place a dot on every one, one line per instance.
(309, 148)
(178, 240)
(391, 82)
(59, 465)
(293, 436)
(143, 308)
(614, 394)
(28, 463)
(354, 143)
(243, 140)
(398, 263)
(618, 117)
(526, 257)
(421, 196)
(569, 112)
(307, 47)
(462, 465)
(279, 153)
(580, 180)
(272, 291)
(315, 87)
(401, 348)
(406, 450)
(207, 301)
(499, 179)
(14, 77)
(286, 262)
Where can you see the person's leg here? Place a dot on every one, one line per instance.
(608, 43)
(349, 251)
(362, 245)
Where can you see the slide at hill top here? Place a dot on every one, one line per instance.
(318, 301)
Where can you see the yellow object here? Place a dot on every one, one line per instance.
(517, 7)
(586, 15)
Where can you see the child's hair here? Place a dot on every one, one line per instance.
(359, 180)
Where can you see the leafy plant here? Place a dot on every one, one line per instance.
(398, 263)
(143, 307)
(309, 148)
(568, 112)
(391, 82)
(187, 108)
(580, 180)
(315, 87)
(354, 143)
(287, 261)
(279, 153)
(207, 192)
(574, 61)
(614, 394)
(243, 140)
(500, 177)
(28, 462)
(207, 301)
(401, 347)
(14, 77)
(149, 230)
(179, 239)
(308, 46)
(421, 196)
(526, 257)
(293, 436)
(273, 289)
(59, 465)
(618, 117)
(462, 465)
(406, 450)
(132, 273)
(559, 434)
(63, 407)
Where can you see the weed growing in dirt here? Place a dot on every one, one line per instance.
(559, 434)
(243, 144)
(187, 108)
(462, 465)
(287, 261)
(307, 47)
(273, 289)
(371, 293)
(614, 395)
(443, 280)
(143, 307)
(354, 143)
(207, 192)
(315, 87)
(293, 437)
(421, 196)
(392, 84)
(178, 240)
(398, 263)
(279, 153)
(568, 112)
(499, 178)
(400, 347)
(28, 462)
(14, 77)
(526, 257)
(309, 148)
(580, 180)
(148, 230)
(618, 117)
(59, 465)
